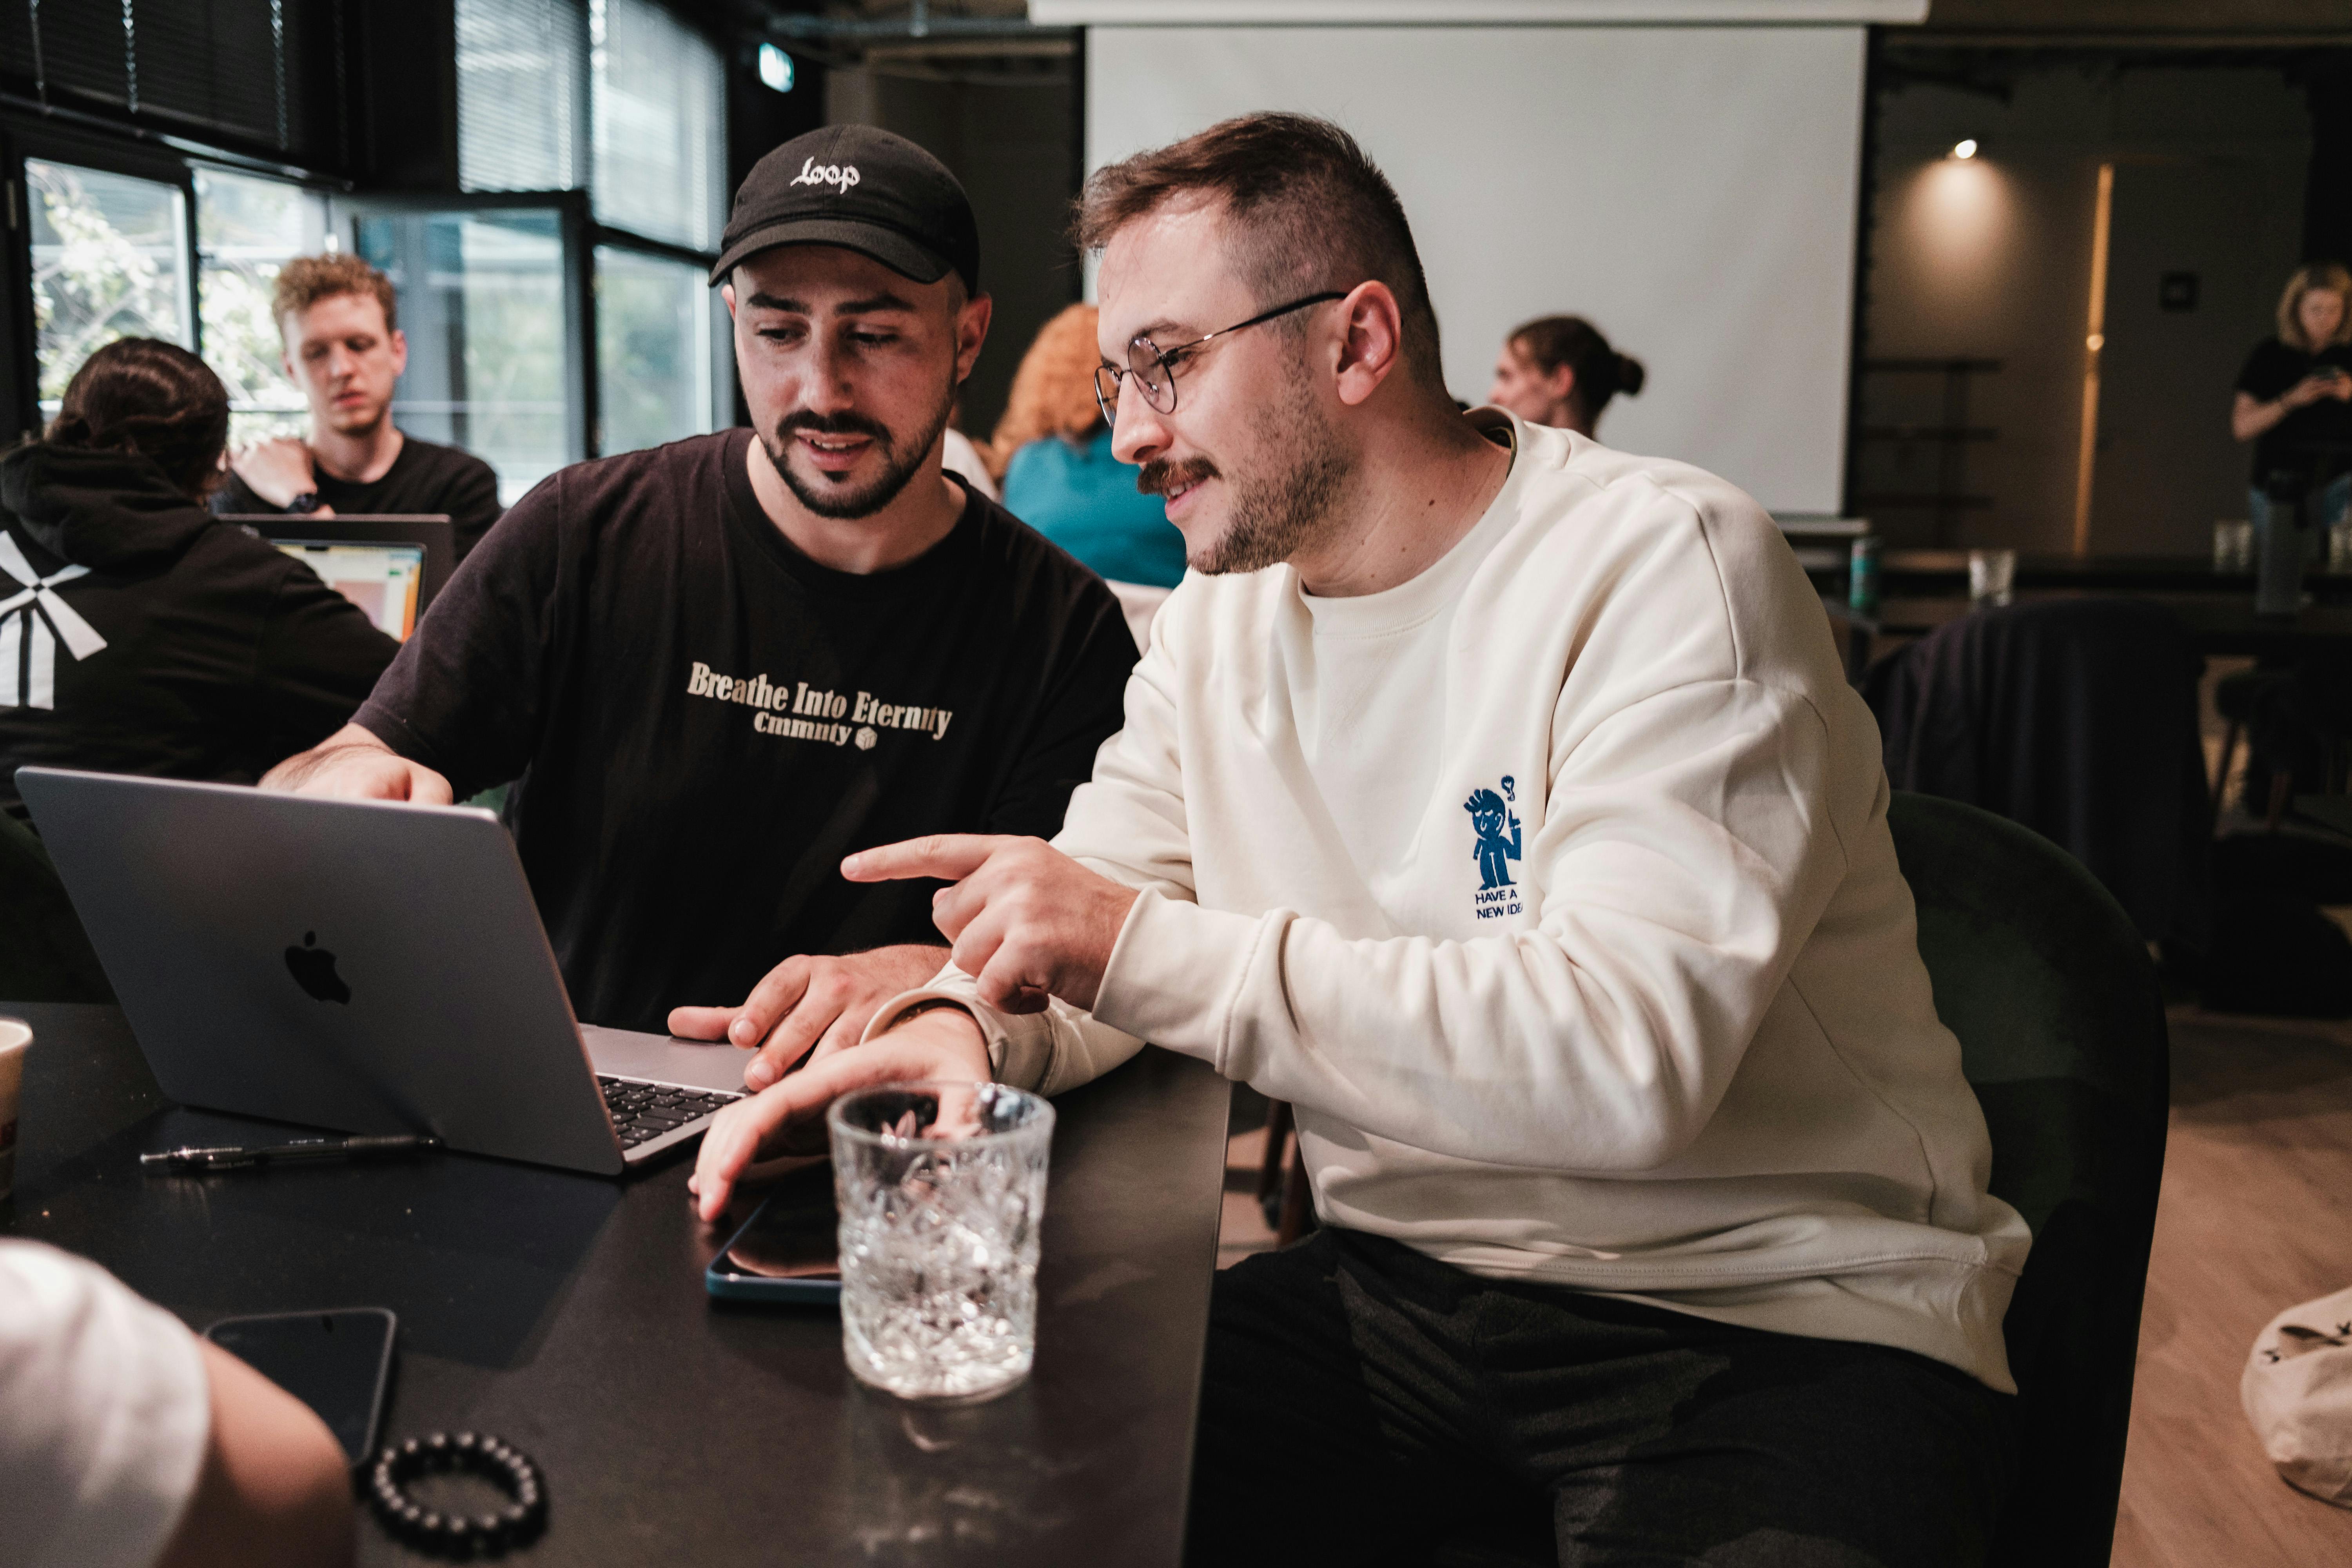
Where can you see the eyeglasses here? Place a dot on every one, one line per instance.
(1154, 368)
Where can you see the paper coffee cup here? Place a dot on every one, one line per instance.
(15, 1038)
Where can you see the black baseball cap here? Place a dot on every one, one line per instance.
(862, 189)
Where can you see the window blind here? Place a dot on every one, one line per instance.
(522, 122)
(659, 96)
(244, 70)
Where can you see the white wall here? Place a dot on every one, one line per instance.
(1690, 190)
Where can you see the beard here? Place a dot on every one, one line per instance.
(899, 463)
(1275, 515)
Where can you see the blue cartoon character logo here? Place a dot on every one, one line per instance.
(1499, 833)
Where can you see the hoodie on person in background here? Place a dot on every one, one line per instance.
(139, 635)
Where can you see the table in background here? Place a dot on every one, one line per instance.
(1944, 574)
(2216, 624)
(567, 1313)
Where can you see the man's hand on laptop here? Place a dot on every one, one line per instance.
(353, 764)
(810, 1001)
(1024, 918)
(787, 1117)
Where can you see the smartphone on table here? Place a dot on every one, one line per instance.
(336, 1362)
(789, 1250)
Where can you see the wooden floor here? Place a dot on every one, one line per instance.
(2256, 1216)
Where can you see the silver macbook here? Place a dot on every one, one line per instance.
(358, 965)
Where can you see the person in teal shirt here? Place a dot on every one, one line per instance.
(1059, 475)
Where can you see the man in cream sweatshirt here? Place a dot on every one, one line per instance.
(1496, 799)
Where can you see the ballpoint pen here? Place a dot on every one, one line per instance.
(233, 1158)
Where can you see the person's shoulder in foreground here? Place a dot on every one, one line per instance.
(1650, 549)
(125, 1441)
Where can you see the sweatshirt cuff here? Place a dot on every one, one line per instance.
(1020, 1045)
(1177, 969)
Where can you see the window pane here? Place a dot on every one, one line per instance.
(490, 369)
(245, 230)
(110, 261)
(521, 121)
(660, 103)
(662, 364)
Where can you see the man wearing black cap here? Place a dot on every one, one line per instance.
(719, 666)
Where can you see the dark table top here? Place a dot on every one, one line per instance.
(1938, 574)
(2215, 624)
(567, 1314)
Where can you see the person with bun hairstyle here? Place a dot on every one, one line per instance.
(1560, 371)
(139, 634)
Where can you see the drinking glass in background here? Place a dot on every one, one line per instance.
(942, 1188)
(2233, 545)
(1992, 576)
(16, 1039)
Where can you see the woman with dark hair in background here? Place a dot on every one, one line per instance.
(139, 634)
(1560, 371)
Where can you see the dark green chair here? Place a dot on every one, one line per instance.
(2049, 988)
(44, 956)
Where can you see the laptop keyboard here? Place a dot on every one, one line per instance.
(643, 1111)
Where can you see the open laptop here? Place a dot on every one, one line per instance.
(389, 565)
(358, 965)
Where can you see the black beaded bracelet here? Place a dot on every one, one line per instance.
(457, 1535)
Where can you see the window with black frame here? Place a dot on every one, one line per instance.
(621, 99)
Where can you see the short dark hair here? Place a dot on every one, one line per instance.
(1547, 342)
(145, 395)
(1311, 210)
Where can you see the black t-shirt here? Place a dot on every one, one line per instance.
(704, 721)
(2271, 369)
(425, 478)
(187, 648)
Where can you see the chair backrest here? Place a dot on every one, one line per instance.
(44, 956)
(2078, 719)
(2042, 976)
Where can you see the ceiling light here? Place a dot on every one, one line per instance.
(1966, 149)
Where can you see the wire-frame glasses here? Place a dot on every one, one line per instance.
(1154, 368)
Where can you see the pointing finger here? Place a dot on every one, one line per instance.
(950, 857)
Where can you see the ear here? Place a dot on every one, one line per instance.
(971, 332)
(727, 292)
(399, 354)
(1559, 383)
(1371, 344)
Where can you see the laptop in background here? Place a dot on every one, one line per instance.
(389, 565)
(367, 966)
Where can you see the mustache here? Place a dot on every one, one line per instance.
(1160, 476)
(842, 423)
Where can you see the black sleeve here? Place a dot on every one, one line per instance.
(233, 499)
(2270, 370)
(316, 661)
(465, 695)
(472, 502)
(1082, 705)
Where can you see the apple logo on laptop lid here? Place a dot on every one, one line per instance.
(313, 968)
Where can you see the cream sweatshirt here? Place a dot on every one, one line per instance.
(1554, 889)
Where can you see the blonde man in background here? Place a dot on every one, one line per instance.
(338, 319)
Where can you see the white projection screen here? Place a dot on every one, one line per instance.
(1691, 190)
